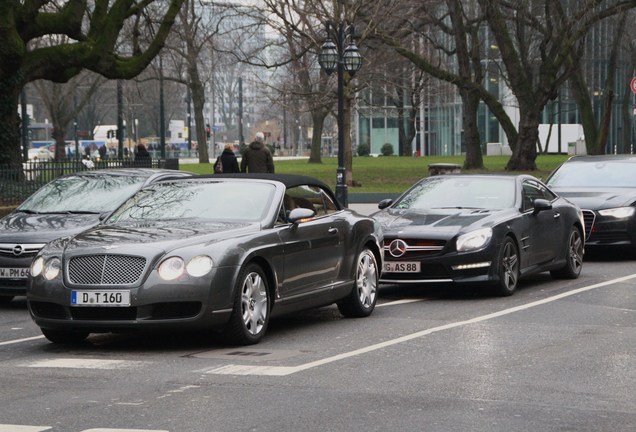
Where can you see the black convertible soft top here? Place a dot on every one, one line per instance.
(289, 180)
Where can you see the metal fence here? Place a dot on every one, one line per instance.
(17, 183)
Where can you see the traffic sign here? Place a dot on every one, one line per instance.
(633, 85)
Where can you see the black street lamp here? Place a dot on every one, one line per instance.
(335, 57)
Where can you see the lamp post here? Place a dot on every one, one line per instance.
(77, 155)
(335, 57)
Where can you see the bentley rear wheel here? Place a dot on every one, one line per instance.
(361, 301)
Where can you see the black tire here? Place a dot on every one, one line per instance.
(361, 301)
(250, 313)
(508, 263)
(5, 299)
(573, 257)
(66, 337)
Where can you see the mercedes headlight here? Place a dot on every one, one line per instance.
(474, 240)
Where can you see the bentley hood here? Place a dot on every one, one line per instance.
(598, 198)
(141, 238)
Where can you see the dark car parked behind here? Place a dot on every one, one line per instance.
(605, 188)
(64, 206)
(488, 230)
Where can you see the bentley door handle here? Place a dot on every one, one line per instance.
(333, 230)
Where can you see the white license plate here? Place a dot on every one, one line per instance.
(100, 298)
(402, 266)
(14, 273)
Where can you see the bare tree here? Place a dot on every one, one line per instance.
(64, 102)
(540, 44)
(93, 29)
(596, 133)
(445, 40)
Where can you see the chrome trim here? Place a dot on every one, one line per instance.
(412, 281)
(24, 248)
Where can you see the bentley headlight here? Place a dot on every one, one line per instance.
(52, 268)
(199, 266)
(474, 240)
(171, 268)
(618, 213)
(37, 266)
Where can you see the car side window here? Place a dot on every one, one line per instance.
(310, 197)
(533, 190)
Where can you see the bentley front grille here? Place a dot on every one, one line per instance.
(105, 269)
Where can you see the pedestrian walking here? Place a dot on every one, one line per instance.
(226, 162)
(257, 158)
(142, 157)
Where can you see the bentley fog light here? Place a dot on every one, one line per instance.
(171, 268)
(37, 266)
(474, 240)
(618, 213)
(52, 268)
(199, 266)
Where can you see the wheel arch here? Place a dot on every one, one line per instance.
(269, 275)
(373, 245)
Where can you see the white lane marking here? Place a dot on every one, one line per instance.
(123, 430)
(73, 363)
(232, 369)
(18, 428)
(15, 341)
(399, 302)
(288, 370)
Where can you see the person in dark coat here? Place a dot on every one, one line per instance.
(257, 158)
(142, 156)
(228, 160)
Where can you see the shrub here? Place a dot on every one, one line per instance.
(363, 150)
(387, 149)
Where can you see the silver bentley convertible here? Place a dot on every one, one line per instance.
(226, 251)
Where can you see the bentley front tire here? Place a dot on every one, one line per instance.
(66, 337)
(250, 313)
(5, 299)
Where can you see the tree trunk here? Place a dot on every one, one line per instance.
(198, 102)
(59, 136)
(470, 106)
(9, 122)
(524, 154)
(317, 119)
(410, 131)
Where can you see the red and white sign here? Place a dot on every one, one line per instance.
(633, 85)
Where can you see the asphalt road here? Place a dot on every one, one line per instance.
(556, 356)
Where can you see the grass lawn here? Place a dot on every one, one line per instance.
(392, 173)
